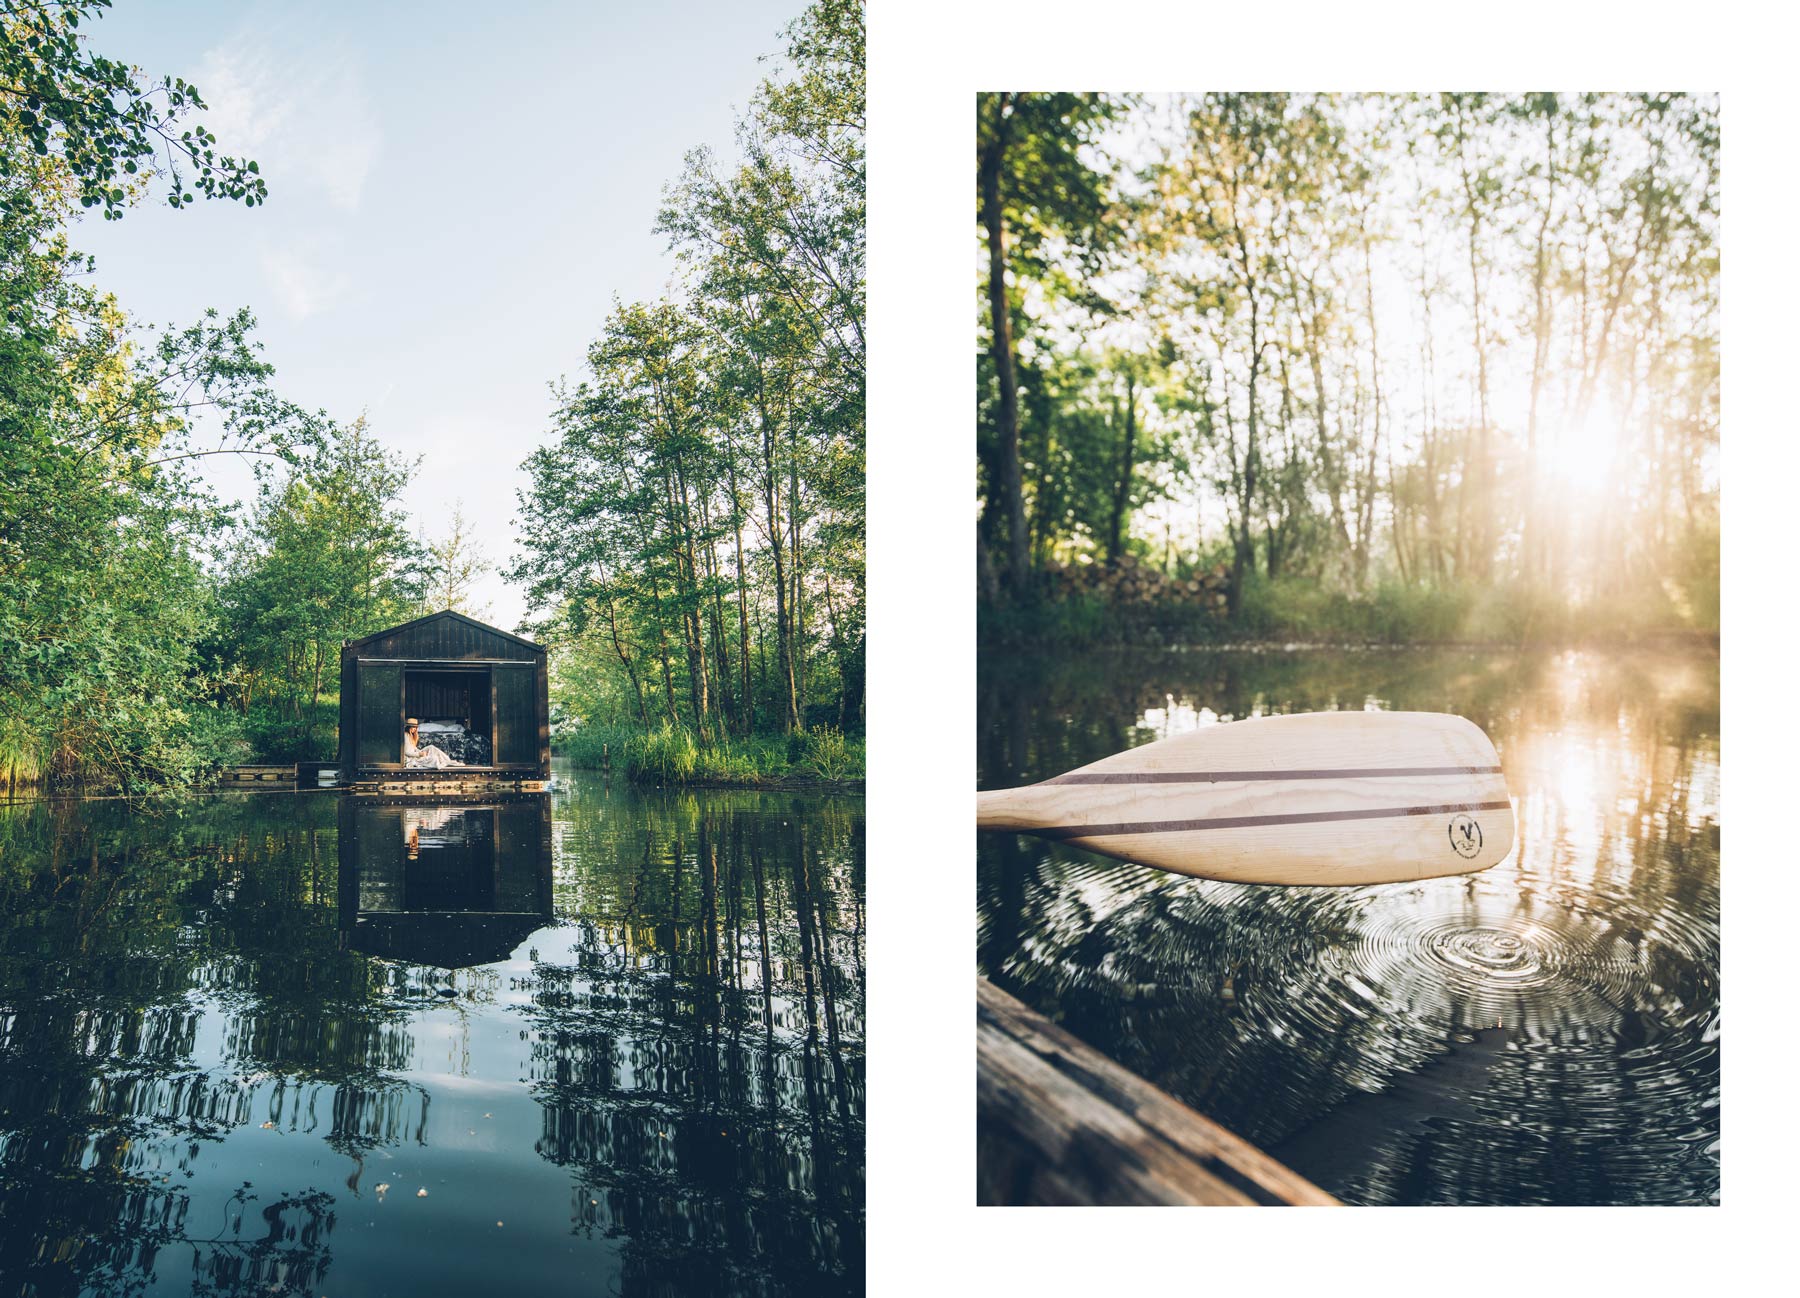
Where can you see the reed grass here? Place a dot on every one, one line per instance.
(672, 754)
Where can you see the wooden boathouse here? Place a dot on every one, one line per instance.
(477, 690)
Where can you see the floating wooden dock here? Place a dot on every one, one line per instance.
(454, 784)
(1059, 1123)
(236, 775)
(448, 782)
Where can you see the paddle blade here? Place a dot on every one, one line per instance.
(1316, 798)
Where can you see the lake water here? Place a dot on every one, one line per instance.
(600, 1041)
(1545, 1032)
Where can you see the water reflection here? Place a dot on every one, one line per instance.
(616, 1039)
(444, 884)
(1544, 1032)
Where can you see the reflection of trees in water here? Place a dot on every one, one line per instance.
(1044, 715)
(108, 1091)
(700, 1062)
(1327, 1024)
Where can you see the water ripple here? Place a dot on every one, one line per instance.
(1544, 1032)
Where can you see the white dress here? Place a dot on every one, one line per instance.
(430, 757)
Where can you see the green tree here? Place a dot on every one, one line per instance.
(326, 557)
(455, 563)
(106, 124)
(1032, 185)
(1452, 352)
(700, 513)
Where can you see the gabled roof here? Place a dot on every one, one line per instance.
(433, 617)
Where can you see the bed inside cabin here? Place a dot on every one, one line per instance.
(455, 709)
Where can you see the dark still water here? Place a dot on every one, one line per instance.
(1544, 1032)
(597, 1041)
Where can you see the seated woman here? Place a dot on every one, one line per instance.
(430, 757)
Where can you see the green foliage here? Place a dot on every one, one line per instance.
(830, 756)
(1391, 613)
(103, 532)
(673, 755)
(1696, 578)
(1302, 610)
(666, 755)
(326, 557)
(109, 128)
(692, 539)
(1421, 365)
(1049, 188)
(276, 732)
(117, 643)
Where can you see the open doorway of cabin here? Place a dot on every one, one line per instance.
(455, 708)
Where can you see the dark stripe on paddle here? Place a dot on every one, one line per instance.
(1247, 822)
(1218, 777)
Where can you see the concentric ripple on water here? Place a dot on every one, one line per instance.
(1543, 1032)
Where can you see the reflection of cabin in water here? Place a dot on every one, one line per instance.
(443, 884)
(480, 693)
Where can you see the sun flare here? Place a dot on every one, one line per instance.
(1582, 457)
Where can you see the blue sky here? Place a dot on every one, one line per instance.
(456, 194)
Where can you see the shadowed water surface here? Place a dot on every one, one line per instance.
(1543, 1032)
(597, 1042)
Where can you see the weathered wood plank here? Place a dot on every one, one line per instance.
(256, 774)
(1059, 1123)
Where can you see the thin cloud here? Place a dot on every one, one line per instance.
(301, 112)
(303, 278)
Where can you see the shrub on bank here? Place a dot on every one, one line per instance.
(1391, 612)
(672, 754)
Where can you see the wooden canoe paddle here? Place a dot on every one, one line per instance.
(1314, 798)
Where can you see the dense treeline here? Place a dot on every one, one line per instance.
(324, 556)
(693, 537)
(1420, 365)
(148, 633)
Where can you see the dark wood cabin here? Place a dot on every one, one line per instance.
(483, 688)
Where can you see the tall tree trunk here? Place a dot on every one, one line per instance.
(312, 713)
(737, 534)
(1529, 540)
(1012, 486)
(687, 595)
(625, 660)
(797, 601)
(1477, 493)
(721, 659)
(1244, 558)
(1122, 480)
(784, 658)
(1365, 526)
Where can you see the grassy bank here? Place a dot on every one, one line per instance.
(675, 755)
(1393, 613)
(186, 748)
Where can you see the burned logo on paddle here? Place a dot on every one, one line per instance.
(1465, 836)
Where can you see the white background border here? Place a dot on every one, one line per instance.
(926, 62)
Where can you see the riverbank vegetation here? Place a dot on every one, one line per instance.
(693, 535)
(692, 539)
(152, 633)
(1388, 367)
(671, 754)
